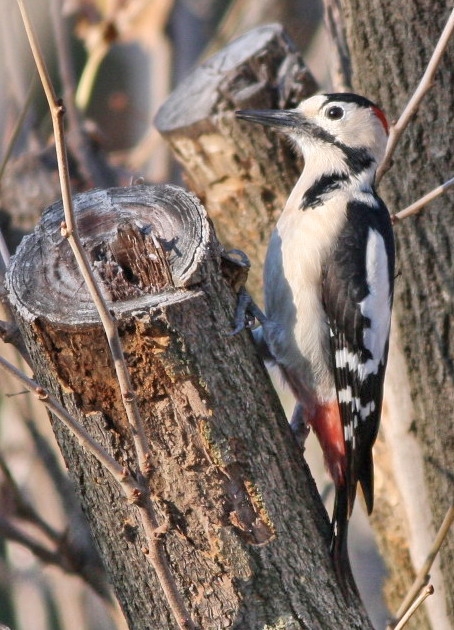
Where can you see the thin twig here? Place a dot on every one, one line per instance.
(24, 509)
(76, 429)
(413, 104)
(64, 553)
(418, 205)
(158, 559)
(95, 56)
(70, 231)
(137, 493)
(414, 607)
(11, 532)
(62, 556)
(18, 125)
(423, 574)
(140, 492)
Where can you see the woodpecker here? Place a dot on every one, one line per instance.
(328, 284)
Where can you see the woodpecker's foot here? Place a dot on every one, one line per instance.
(247, 312)
(235, 266)
(235, 269)
(299, 426)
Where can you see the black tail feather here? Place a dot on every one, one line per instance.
(339, 543)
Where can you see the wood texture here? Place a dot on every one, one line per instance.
(390, 45)
(245, 532)
(241, 173)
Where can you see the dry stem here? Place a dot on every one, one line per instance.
(414, 607)
(69, 231)
(11, 532)
(413, 104)
(418, 205)
(423, 575)
(23, 508)
(140, 493)
(136, 492)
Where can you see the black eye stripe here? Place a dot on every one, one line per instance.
(334, 112)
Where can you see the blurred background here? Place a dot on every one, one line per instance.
(114, 62)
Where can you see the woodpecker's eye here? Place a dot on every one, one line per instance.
(334, 113)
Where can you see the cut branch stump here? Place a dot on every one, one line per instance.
(244, 530)
(242, 173)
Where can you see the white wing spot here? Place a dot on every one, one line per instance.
(376, 305)
(349, 434)
(363, 411)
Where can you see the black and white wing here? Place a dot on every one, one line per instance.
(357, 293)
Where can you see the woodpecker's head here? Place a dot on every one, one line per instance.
(337, 128)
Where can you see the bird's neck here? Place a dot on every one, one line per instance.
(321, 180)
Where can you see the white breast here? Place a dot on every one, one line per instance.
(298, 333)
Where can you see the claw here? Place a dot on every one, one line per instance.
(235, 268)
(299, 426)
(247, 312)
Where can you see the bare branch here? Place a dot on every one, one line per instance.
(424, 86)
(18, 125)
(140, 492)
(90, 71)
(4, 251)
(414, 607)
(23, 508)
(76, 429)
(70, 231)
(137, 493)
(418, 205)
(423, 574)
(12, 532)
(64, 553)
(63, 556)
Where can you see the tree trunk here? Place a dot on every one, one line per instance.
(420, 382)
(246, 534)
(390, 46)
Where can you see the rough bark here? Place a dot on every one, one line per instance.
(390, 45)
(247, 536)
(420, 383)
(242, 176)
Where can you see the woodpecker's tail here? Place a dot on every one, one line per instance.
(339, 546)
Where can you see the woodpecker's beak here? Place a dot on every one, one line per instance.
(285, 119)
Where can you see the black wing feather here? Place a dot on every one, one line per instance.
(344, 288)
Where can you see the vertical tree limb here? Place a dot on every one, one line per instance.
(245, 532)
(390, 48)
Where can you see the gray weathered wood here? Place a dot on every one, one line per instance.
(247, 536)
(241, 176)
(390, 45)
